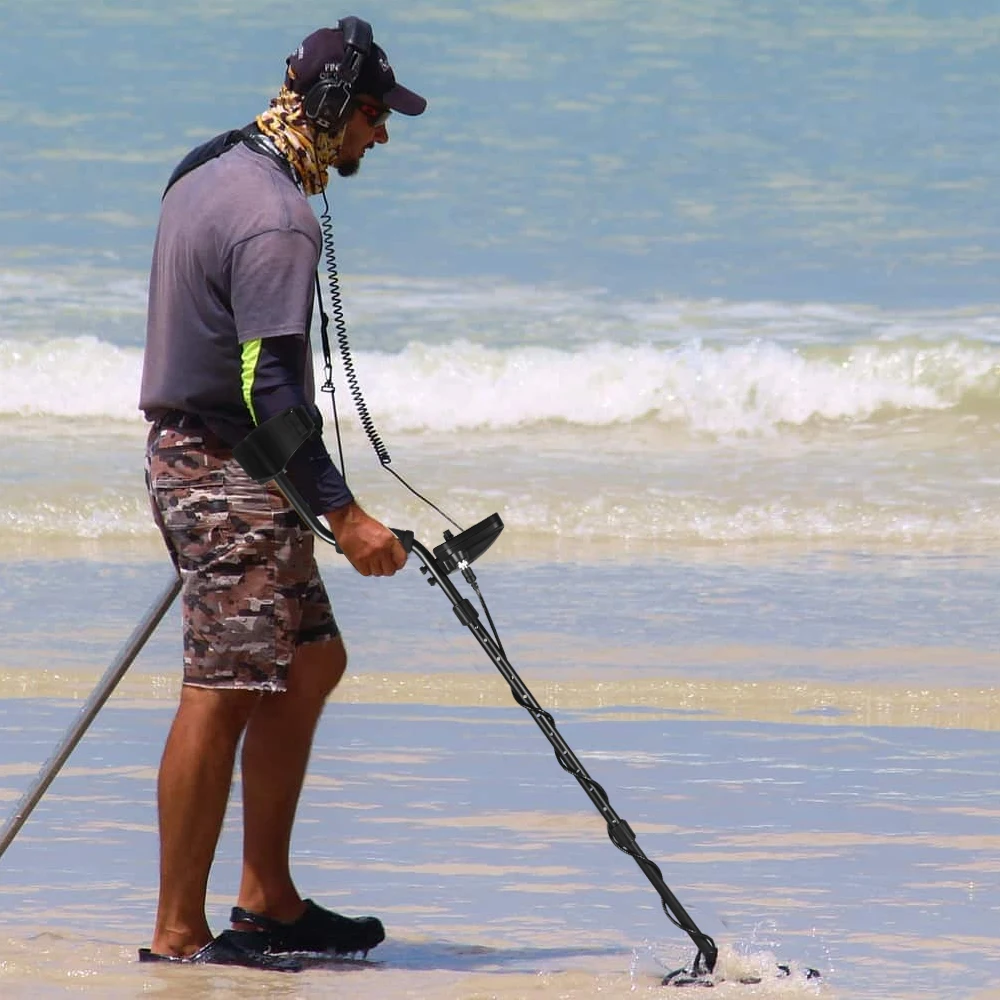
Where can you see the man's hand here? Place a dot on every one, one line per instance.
(371, 548)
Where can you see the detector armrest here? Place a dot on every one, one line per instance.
(267, 449)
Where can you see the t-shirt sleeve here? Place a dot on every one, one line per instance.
(273, 279)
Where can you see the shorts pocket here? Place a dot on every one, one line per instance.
(246, 497)
(190, 504)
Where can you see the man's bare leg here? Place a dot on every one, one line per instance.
(275, 757)
(196, 773)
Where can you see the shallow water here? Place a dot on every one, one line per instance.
(808, 751)
(869, 853)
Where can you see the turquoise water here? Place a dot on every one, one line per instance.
(749, 151)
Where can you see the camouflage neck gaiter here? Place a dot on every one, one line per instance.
(309, 151)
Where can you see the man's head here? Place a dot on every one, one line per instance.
(313, 73)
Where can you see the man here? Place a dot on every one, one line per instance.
(230, 301)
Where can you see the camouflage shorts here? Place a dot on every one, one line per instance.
(251, 592)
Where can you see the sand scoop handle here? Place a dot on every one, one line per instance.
(88, 712)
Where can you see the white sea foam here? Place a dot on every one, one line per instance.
(747, 389)
(79, 377)
(543, 516)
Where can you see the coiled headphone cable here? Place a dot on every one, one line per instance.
(353, 385)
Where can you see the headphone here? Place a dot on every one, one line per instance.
(327, 102)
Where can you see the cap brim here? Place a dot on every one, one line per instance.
(405, 101)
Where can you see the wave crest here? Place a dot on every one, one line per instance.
(751, 388)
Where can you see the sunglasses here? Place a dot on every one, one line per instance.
(374, 114)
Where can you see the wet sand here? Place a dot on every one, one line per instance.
(824, 796)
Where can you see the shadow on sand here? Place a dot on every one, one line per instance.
(449, 956)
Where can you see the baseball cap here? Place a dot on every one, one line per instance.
(325, 47)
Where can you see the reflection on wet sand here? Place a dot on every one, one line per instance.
(817, 702)
(870, 853)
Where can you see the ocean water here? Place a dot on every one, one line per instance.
(686, 274)
(700, 298)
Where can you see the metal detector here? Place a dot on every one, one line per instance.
(264, 455)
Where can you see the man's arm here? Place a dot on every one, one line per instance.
(272, 383)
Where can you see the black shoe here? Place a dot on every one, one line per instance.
(317, 931)
(230, 948)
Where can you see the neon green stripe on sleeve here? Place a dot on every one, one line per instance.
(251, 355)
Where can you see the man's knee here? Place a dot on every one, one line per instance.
(220, 710)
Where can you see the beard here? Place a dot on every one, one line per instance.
(349, 168)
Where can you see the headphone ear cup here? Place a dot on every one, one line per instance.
(326, 104)
(314, 100)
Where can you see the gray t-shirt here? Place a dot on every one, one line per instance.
(234, 260)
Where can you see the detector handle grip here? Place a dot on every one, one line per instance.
(404, 535)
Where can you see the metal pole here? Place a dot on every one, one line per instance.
(89, 711)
